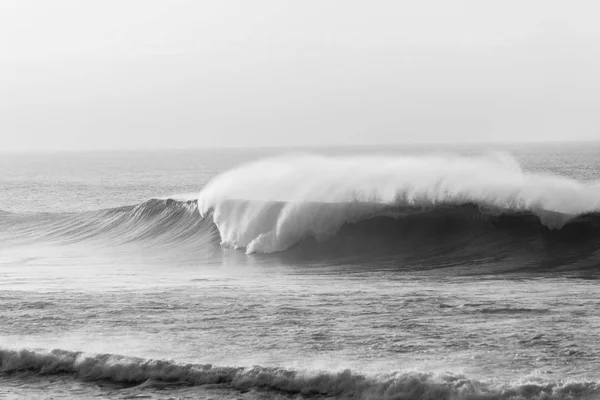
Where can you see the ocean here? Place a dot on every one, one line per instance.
(408, 272)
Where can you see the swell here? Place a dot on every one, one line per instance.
(164, 221)
(343, 384)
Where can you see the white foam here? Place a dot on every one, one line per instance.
(308, 184)
(344, 384)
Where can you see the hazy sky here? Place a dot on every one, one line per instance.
(122, 74)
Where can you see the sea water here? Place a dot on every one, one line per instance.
(416, 272)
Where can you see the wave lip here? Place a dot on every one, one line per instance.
(345, 384)
(270, 205)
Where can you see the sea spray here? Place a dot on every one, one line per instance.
(269, 205)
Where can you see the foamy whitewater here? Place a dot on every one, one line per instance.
(409, 273)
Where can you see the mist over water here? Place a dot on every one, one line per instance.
(462, 274)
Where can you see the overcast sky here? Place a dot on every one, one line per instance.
(123, 74)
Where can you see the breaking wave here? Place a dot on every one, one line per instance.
(436, 210)
(340, 384)
(271, 205)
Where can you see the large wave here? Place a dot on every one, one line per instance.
(340, 384)
(433, 211)
(271, 205)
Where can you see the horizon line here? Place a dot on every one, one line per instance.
(297, 146)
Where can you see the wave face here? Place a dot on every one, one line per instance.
(157, 221)
(343, 384)
(272, 205)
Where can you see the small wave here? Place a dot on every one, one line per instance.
(342, 384)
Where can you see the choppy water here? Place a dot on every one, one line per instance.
(409, 273)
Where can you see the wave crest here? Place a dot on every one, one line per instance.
(346, 384)
(270, 205)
